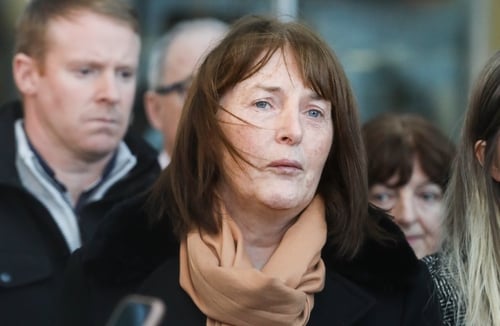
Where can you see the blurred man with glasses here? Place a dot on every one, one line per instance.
(174, 59)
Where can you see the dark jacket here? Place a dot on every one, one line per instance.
(384, 285)
(33, 252)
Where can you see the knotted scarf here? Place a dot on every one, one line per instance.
(217, 273)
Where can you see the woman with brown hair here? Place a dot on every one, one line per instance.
(262, 217)
(409, 161)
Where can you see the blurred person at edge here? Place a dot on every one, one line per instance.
(173, 61)
(64, 162)
(467, 269)
(409, 161)
(262, 216)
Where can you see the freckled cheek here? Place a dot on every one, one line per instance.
(317, 161)
(320, 153)
(248, 141)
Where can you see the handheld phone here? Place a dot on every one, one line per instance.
(137, 310)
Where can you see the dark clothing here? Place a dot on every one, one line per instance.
(33, 251)
(384, 285)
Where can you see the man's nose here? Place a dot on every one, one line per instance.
(108, 88)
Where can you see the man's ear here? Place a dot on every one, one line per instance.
(479, 149)
(26, 73)
(153, 109)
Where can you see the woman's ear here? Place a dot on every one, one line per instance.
(479, 149)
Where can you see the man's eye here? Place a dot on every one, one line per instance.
(84, 71)
(126, 74)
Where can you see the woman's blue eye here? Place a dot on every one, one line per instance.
(430, 196)
(314, 113)
(262, 104)
(384, 200)
(381, 197)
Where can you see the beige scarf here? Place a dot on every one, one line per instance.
(218, 276)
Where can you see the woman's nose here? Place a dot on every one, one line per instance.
(289, 126)
(405, 212)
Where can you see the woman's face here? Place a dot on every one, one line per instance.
(284, 129)
(495, 166)
(416, 207)
(480, 148)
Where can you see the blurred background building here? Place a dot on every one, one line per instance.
(400, 55)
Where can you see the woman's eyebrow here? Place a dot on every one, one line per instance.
(276, 89)
(271, 89)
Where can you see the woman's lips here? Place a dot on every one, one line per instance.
(285, 166)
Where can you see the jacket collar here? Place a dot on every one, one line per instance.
(341, 301)
(386, 265)
(128, 247)
(12, 111)
(9, 113)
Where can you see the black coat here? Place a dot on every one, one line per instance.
(384, 285)
(33, 252)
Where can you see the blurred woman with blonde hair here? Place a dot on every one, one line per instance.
(468, 272)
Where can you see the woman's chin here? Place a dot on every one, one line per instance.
(287, 202)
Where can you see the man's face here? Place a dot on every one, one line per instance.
(181, 61)
(85, 86)
(179, 66)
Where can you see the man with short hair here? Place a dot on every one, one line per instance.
(65, 162)
(174, 59)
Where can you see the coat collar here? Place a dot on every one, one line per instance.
(9, 113)
(127, 247)
(383, 265)
(341, 302)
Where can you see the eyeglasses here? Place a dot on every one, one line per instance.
(180, 87)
